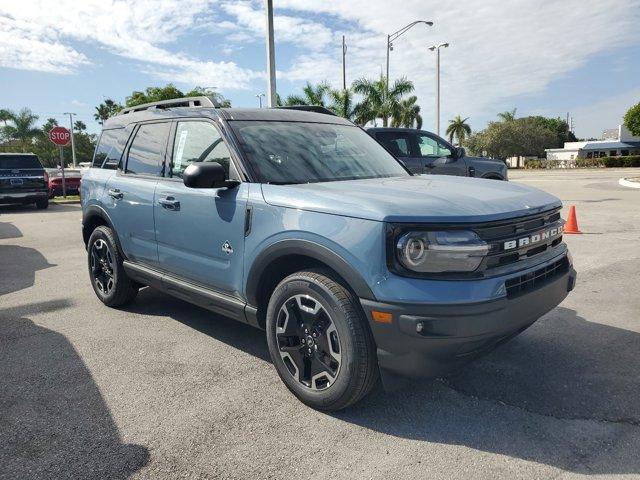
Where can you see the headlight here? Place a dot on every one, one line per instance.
(439, 252)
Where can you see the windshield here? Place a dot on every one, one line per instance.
(297, 152)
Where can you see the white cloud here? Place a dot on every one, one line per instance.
(39, 36)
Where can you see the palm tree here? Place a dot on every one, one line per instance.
(311, 95)
(459, 128)
(508, 116)
(5, 116)
(23, 129)
(342, 103)
(408, 114)
(379, 101)
(105, 110)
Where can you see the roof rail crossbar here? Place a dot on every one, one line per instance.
(308, 108)
(173, 103)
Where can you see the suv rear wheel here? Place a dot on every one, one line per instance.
(108, 278)
(319, 341)
(42, 203)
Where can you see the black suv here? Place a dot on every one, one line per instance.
(23, 180)
(424, 152)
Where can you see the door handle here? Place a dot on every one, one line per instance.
(115, 193)
(170, 203)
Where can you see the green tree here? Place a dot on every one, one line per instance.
(557, 125)
(311, 95)
(342, 103)
(5, 116)
(459, 128)
(632, 120)
(379, 101)
(169, 92)
(508, 116)
(520, 137)
(22, 129)
(79, 126)
(106, 109)
(408, 114)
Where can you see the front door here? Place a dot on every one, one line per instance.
(438, 158)
(129, 194)
(200, 231)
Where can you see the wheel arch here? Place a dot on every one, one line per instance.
(289, 256)
(93, 217)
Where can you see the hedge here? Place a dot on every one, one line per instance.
(602, 162)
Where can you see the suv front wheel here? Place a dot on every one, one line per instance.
(319, 341)
(108, 278)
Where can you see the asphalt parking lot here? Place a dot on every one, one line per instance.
(163, 389)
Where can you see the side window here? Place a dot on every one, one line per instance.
(398, 143)
(146, 153)
(109, 149)
(199, 142)
(430, 147)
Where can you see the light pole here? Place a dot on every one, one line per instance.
(393, 36)
(437, 50)
(271, 58)
(73, 142)
(259, 97)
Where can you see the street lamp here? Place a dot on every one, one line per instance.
(259, 97)
(437, 50)
(394, 36)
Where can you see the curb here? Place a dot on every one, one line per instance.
(628, 183)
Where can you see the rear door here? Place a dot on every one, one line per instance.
(438, 157)
(200, 231)
(402, 145)
(129, 194)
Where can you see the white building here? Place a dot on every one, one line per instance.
(617, 142)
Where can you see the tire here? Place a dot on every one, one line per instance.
(42, 203)
(336, 332)
(109, 280)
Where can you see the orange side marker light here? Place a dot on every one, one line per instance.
(381, 317)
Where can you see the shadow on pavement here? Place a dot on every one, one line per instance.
(53, 420)
(53, 208)
(9, 231)
(236, 334)
(564, 368)
(18, 267)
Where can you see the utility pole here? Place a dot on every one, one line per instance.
(259, 97)
(271, 57)
(393, 36)
(73, 142)
(344, 68)
(437, 50)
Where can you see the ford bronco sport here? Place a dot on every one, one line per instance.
(301, 224)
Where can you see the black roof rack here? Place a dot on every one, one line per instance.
(309, 108)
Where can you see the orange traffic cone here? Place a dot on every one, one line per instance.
(572, 223)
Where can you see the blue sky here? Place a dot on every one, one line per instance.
(539, 56)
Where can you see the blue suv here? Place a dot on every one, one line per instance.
(301, 224)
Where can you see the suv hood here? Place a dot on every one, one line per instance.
(423, 198)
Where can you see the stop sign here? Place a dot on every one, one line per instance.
(60, 136)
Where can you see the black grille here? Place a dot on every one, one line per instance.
(537, 278)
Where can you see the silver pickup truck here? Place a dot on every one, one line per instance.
(425, 152)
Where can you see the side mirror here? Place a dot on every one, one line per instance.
(206, 175)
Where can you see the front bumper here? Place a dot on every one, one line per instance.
(22, 197)
(429, 340)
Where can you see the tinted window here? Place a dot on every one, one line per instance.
(15, 162)
(430, 147)
(198, 142)
(398, 143)
(298, 152)
(146, 153)
(109, 149)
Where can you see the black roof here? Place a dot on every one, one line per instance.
(259, 114)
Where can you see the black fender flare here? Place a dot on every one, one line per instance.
(305, 248)
(93, 211)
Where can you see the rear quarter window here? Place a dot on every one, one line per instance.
(109, 149)
(14, 162)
